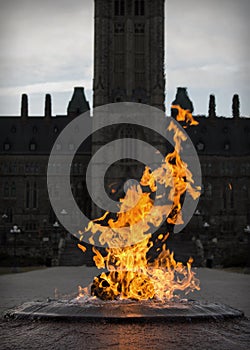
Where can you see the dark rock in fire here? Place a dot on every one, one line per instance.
(136, 288)
(102, 289)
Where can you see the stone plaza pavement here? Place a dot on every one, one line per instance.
(216, 286)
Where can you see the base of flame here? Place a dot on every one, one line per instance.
(94, 310)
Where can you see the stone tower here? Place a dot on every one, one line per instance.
(129, 52)
(128, 67)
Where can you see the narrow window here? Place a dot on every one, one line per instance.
(9, 215)
(142, 7)
(139, 7)
(136, 8)
(79, 190)
(13, 189)
(122, 8)
(119, 7)
(6, 189)
(34, 196)
(32, 146)
(6, 146)
(52, 216)
(56, 191)
(209, 191)
(27, 195)
(224, 198)
(232, 198)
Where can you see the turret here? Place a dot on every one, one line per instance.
(24, 107)
(182, 99)
(212, 107)
(47, 108)
(236, 106)
(78, 103)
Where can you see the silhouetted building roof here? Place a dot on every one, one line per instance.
(36, 135)
(221, 136)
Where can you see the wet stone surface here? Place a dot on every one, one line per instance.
(220, 335)
(216, 287)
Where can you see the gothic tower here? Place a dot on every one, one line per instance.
(128, 67)
(129, 52)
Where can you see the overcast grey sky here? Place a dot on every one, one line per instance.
(47, 47)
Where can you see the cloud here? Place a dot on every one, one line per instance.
(49, 45)
(207, 50)
(50, 87)
(45, 41)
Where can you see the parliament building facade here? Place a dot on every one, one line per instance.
(128, 67)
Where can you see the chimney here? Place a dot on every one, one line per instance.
(236, 106)
(47, 108)
(24, 107)
(212, 107)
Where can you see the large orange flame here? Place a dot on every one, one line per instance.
(131, 274)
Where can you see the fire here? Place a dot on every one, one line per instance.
(184, 115)
(132, 272)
